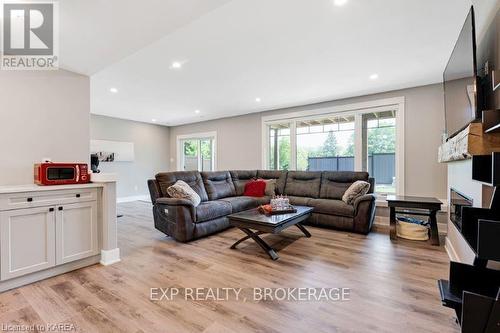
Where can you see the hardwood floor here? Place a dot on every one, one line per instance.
(392, 286)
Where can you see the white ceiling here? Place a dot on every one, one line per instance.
(285, 52)
(97, 33)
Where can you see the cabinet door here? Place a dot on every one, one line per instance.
(27, 241)
(76, 231)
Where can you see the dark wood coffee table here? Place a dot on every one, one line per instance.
(414, 206)
(250, 220)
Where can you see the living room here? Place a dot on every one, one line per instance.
(231, 165)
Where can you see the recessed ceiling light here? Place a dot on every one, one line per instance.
(153, 120)
(113, 90)
(176, 65)
(196, 111)
(374, 76)
(339, 2)
(258, 99)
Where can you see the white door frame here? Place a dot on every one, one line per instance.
(204, 135)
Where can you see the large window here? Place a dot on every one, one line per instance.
(196, 152)
(361, 139)
(326, 144)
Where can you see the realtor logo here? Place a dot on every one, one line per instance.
(29, 36)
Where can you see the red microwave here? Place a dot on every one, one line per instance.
(61, 173)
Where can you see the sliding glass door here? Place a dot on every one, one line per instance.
(197, 154)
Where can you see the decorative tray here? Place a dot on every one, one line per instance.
(267, 210)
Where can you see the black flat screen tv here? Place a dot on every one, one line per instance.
(460, 81)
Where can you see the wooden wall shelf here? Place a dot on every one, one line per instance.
(471, 141)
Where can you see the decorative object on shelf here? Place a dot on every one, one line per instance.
(471, 141)
(112, 151)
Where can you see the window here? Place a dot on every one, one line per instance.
(279, 152)
(358, 137)
(326, 144)
(196, 152)
(379, 128)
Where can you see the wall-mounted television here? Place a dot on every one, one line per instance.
(461, 81)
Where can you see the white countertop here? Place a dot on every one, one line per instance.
(38, 188)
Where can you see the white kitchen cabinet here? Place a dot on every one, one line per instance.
(45, 229)
(27, 241)
(76, 232)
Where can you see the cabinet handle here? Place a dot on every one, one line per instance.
(60, 208)
(78, 195)
(29, 199)
(51, 209)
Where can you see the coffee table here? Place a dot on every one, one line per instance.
(253, 223)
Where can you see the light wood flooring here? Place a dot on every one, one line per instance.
(393, 285)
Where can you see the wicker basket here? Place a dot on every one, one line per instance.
(411, 228)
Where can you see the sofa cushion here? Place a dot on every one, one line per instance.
(332, 207)
(218, 184)
(335, 183)
(241, 203)
(210, 210)
(303, 184)
(299, 201)
(262, 200)
(241, 177)
(280, 177)
(181, 190)
(356, 190)
(192, 178)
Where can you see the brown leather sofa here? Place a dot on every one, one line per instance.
(221, 194)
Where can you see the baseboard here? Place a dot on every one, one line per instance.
(383, 222)
(110, 257)
(452, 254)
(133, 198)
(45, 274)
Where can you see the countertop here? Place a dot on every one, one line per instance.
(38, 188)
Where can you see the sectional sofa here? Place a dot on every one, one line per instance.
(221, 194)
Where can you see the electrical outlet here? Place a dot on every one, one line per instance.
(136, 188)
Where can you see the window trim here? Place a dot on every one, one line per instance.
(356, 109)
(202, 135)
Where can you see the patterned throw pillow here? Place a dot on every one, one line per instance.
(181, 190)
(357, 189)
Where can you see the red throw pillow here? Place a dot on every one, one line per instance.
(255, 188)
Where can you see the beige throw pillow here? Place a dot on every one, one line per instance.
(181, 190)
(357, 189)
(270, 187)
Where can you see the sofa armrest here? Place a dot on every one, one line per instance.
(359, 200)
(154, 190)
(175, 217)
(174, 202)
(364, 213)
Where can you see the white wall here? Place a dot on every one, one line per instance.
(239, 138)
(42, 114)
(151, 146)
